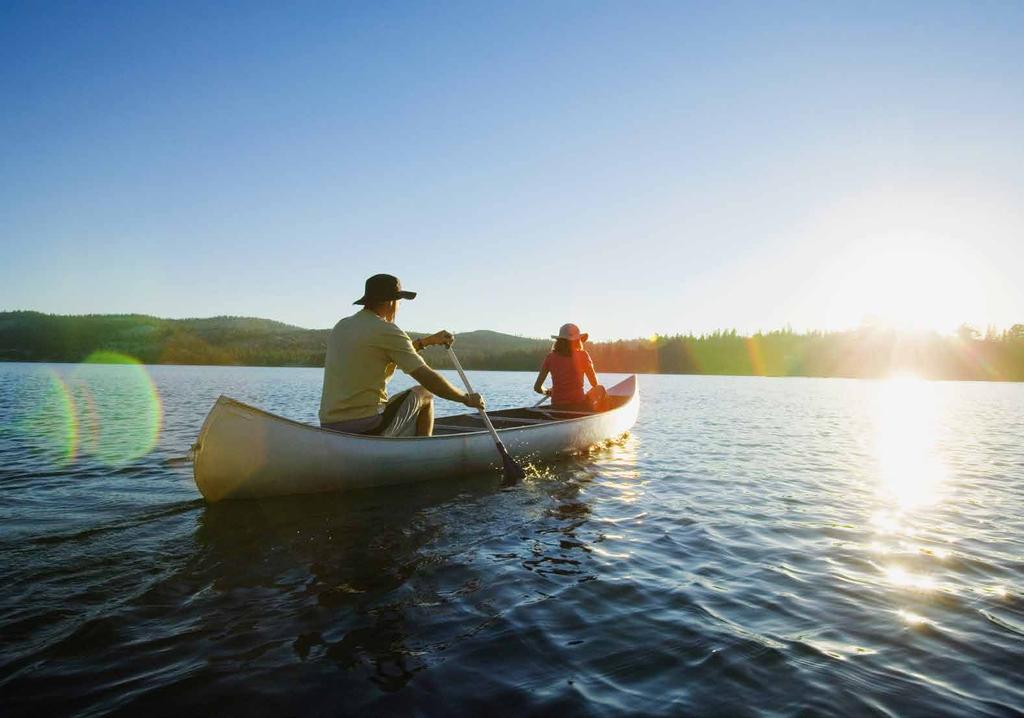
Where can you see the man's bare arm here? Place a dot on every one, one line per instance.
(439, 386)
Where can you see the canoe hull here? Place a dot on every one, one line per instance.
(243, 452)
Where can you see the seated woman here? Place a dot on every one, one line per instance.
(568, 362)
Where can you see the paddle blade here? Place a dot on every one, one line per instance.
(513, 471)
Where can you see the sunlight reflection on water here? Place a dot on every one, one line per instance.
(912, 480)
(910, 470)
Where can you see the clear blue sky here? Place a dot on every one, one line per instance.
(635, 167)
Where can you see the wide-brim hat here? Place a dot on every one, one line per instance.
(383, 288)
(571, 332)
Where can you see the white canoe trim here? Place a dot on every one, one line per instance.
(244, 452)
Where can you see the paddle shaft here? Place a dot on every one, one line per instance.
(483, 414)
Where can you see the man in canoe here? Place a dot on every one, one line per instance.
(363, 351)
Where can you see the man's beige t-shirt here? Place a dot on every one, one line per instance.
(362, 353)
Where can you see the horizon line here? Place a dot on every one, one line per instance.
(786, 329)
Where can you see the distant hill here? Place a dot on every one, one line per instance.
(34, 336)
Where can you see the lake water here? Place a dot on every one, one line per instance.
(784, 546)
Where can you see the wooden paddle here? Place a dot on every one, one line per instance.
(513, 471)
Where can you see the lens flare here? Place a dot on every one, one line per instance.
(45, 418)
(88, 417)
(119, 407)
(757, 367)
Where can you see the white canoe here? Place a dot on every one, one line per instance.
(243, 452)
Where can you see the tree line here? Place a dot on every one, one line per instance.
(866, 352)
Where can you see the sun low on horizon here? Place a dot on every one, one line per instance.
(912, 261)
(907, 286)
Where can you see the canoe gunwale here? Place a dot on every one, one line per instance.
(227, 400)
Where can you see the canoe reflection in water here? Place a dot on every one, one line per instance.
(386, 584)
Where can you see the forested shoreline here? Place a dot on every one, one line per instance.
(864, 353)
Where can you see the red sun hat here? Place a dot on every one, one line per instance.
(570, 332)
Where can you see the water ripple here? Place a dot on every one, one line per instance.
(755, 545)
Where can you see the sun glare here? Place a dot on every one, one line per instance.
(910, 470)
(913, 257)
(906, 286)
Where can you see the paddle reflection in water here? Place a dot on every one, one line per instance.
(556, 545)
